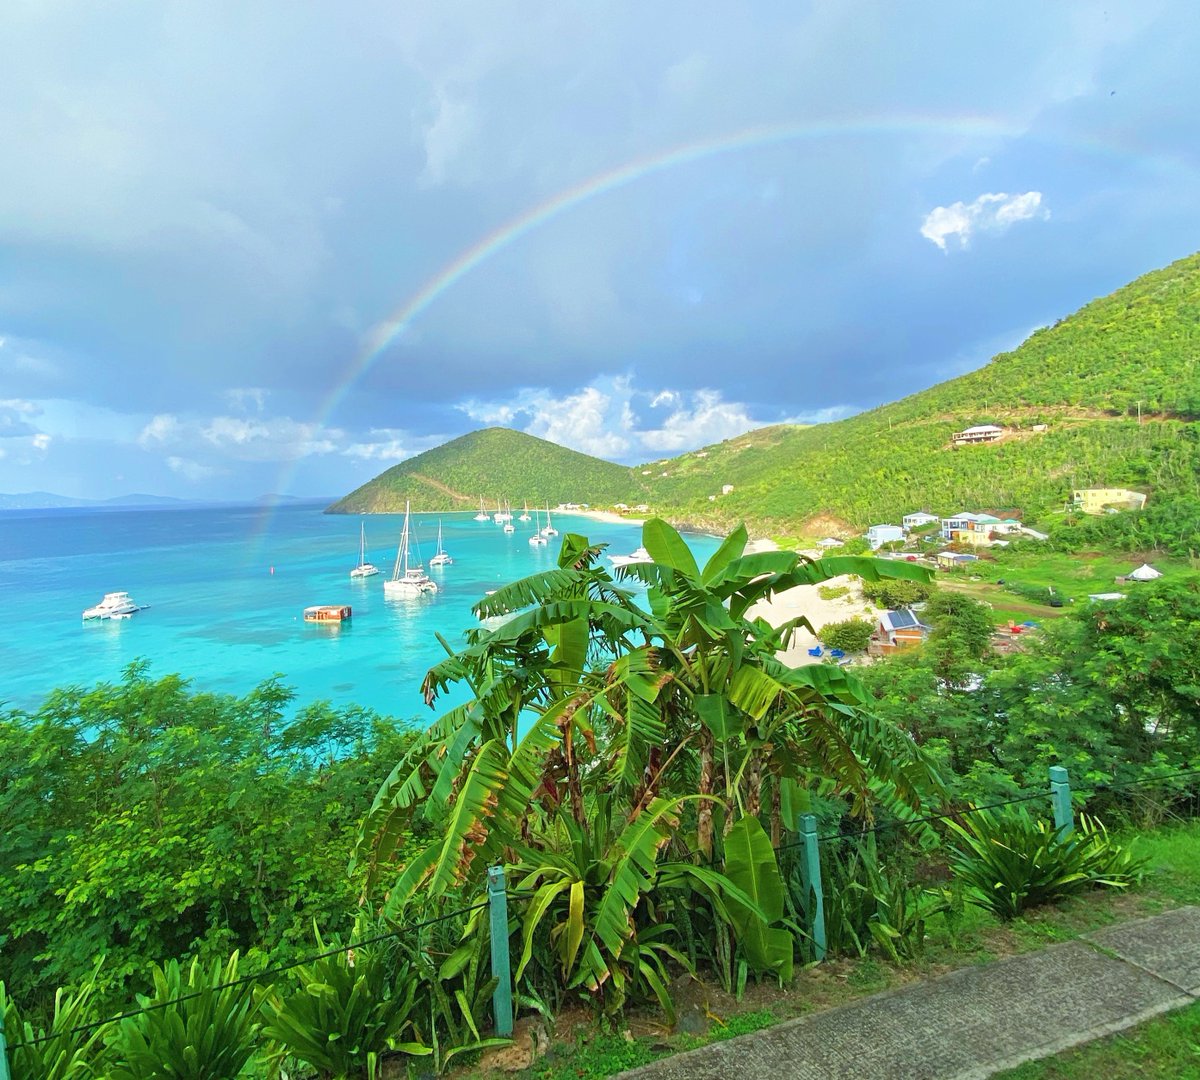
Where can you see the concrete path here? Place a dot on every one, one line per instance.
(974, 1022)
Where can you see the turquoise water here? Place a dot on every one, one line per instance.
(226, 588)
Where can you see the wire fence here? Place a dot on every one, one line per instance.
(944, 814)
(247, 980)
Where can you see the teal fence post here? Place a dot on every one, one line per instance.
(810, 871)
(502, 1002)
(4, 1073)
(1060, 798)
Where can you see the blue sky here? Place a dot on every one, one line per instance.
(278, 247)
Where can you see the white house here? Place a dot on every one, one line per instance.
(878, 535)
(979, 434)
(917, 521)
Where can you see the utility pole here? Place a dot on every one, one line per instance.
(1139, 410)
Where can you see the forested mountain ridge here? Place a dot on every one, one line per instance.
(1107, 397)
(496, 463)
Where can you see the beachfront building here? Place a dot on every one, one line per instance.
(917, 521)
(1107, 500)
(895, 630)
(878, 535)
(829, 542)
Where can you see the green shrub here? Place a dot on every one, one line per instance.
(832, 592)
(1008, 862)
(205, 1032)
(852, 635)
(897, 593)
(349, 1010)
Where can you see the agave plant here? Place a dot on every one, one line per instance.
(349, 1011)
(195, 1026)
(1008, 862)
(57, 1051)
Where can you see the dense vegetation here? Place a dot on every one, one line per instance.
(496, 463)
(637, 768)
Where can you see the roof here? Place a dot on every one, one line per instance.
(957, 555)
(980, 429)
(1145, 572)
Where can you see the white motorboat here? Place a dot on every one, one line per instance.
(440, 558)
(364, 569)
(641, 555)
(115, 605)
(408, 579)
(549, 530)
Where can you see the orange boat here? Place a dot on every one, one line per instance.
(327, 613)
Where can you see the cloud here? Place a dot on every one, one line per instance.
(991, 212)
(41, 441)
(163, 428)
(276, 439)
(605, 418)
(706, 419)
(247, 398)
(391, 445)
(191, 470)
(15, 416)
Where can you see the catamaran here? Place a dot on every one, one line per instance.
(407, 580)
(537, 539)
(509, 527)
(441, 558)
(525, 513)
(502, 513)
(549, 530)
(364, 569)
(483, 514)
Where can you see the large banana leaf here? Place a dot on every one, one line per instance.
(750, 864)
(667, 548)
(731, 548)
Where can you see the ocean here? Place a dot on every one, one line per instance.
(226, 588)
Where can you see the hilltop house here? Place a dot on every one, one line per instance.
(878, 535)
(979, 434)
(896, 630)
(917, 521)
(1101, 500)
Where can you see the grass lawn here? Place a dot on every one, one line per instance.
(1168, 1046)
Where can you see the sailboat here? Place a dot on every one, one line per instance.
(549, 530)
(407, 580)
(364, 569)
(502, 514)
(483, 514)
(509, 527)
(537, 539)
(525, 513)
(440, 558)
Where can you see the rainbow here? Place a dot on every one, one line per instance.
(968, 127)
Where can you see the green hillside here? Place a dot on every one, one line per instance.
(497, 463)
(1067, 399)
(1108, 397)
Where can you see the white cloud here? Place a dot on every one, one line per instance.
(190, 470)
(707, 419)
(162, 428)
(247, 398)
(990, 212)
(391, 445)
(452, 129)
(603, 418)
(15, 417)
(41, 441)
(276, 439)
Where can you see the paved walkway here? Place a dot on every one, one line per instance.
(974, 1022)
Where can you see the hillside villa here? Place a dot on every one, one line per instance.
(949, 560)
(917, 521)
(1107, 500)
(980, 434)
(978, 530)
(878, 535)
